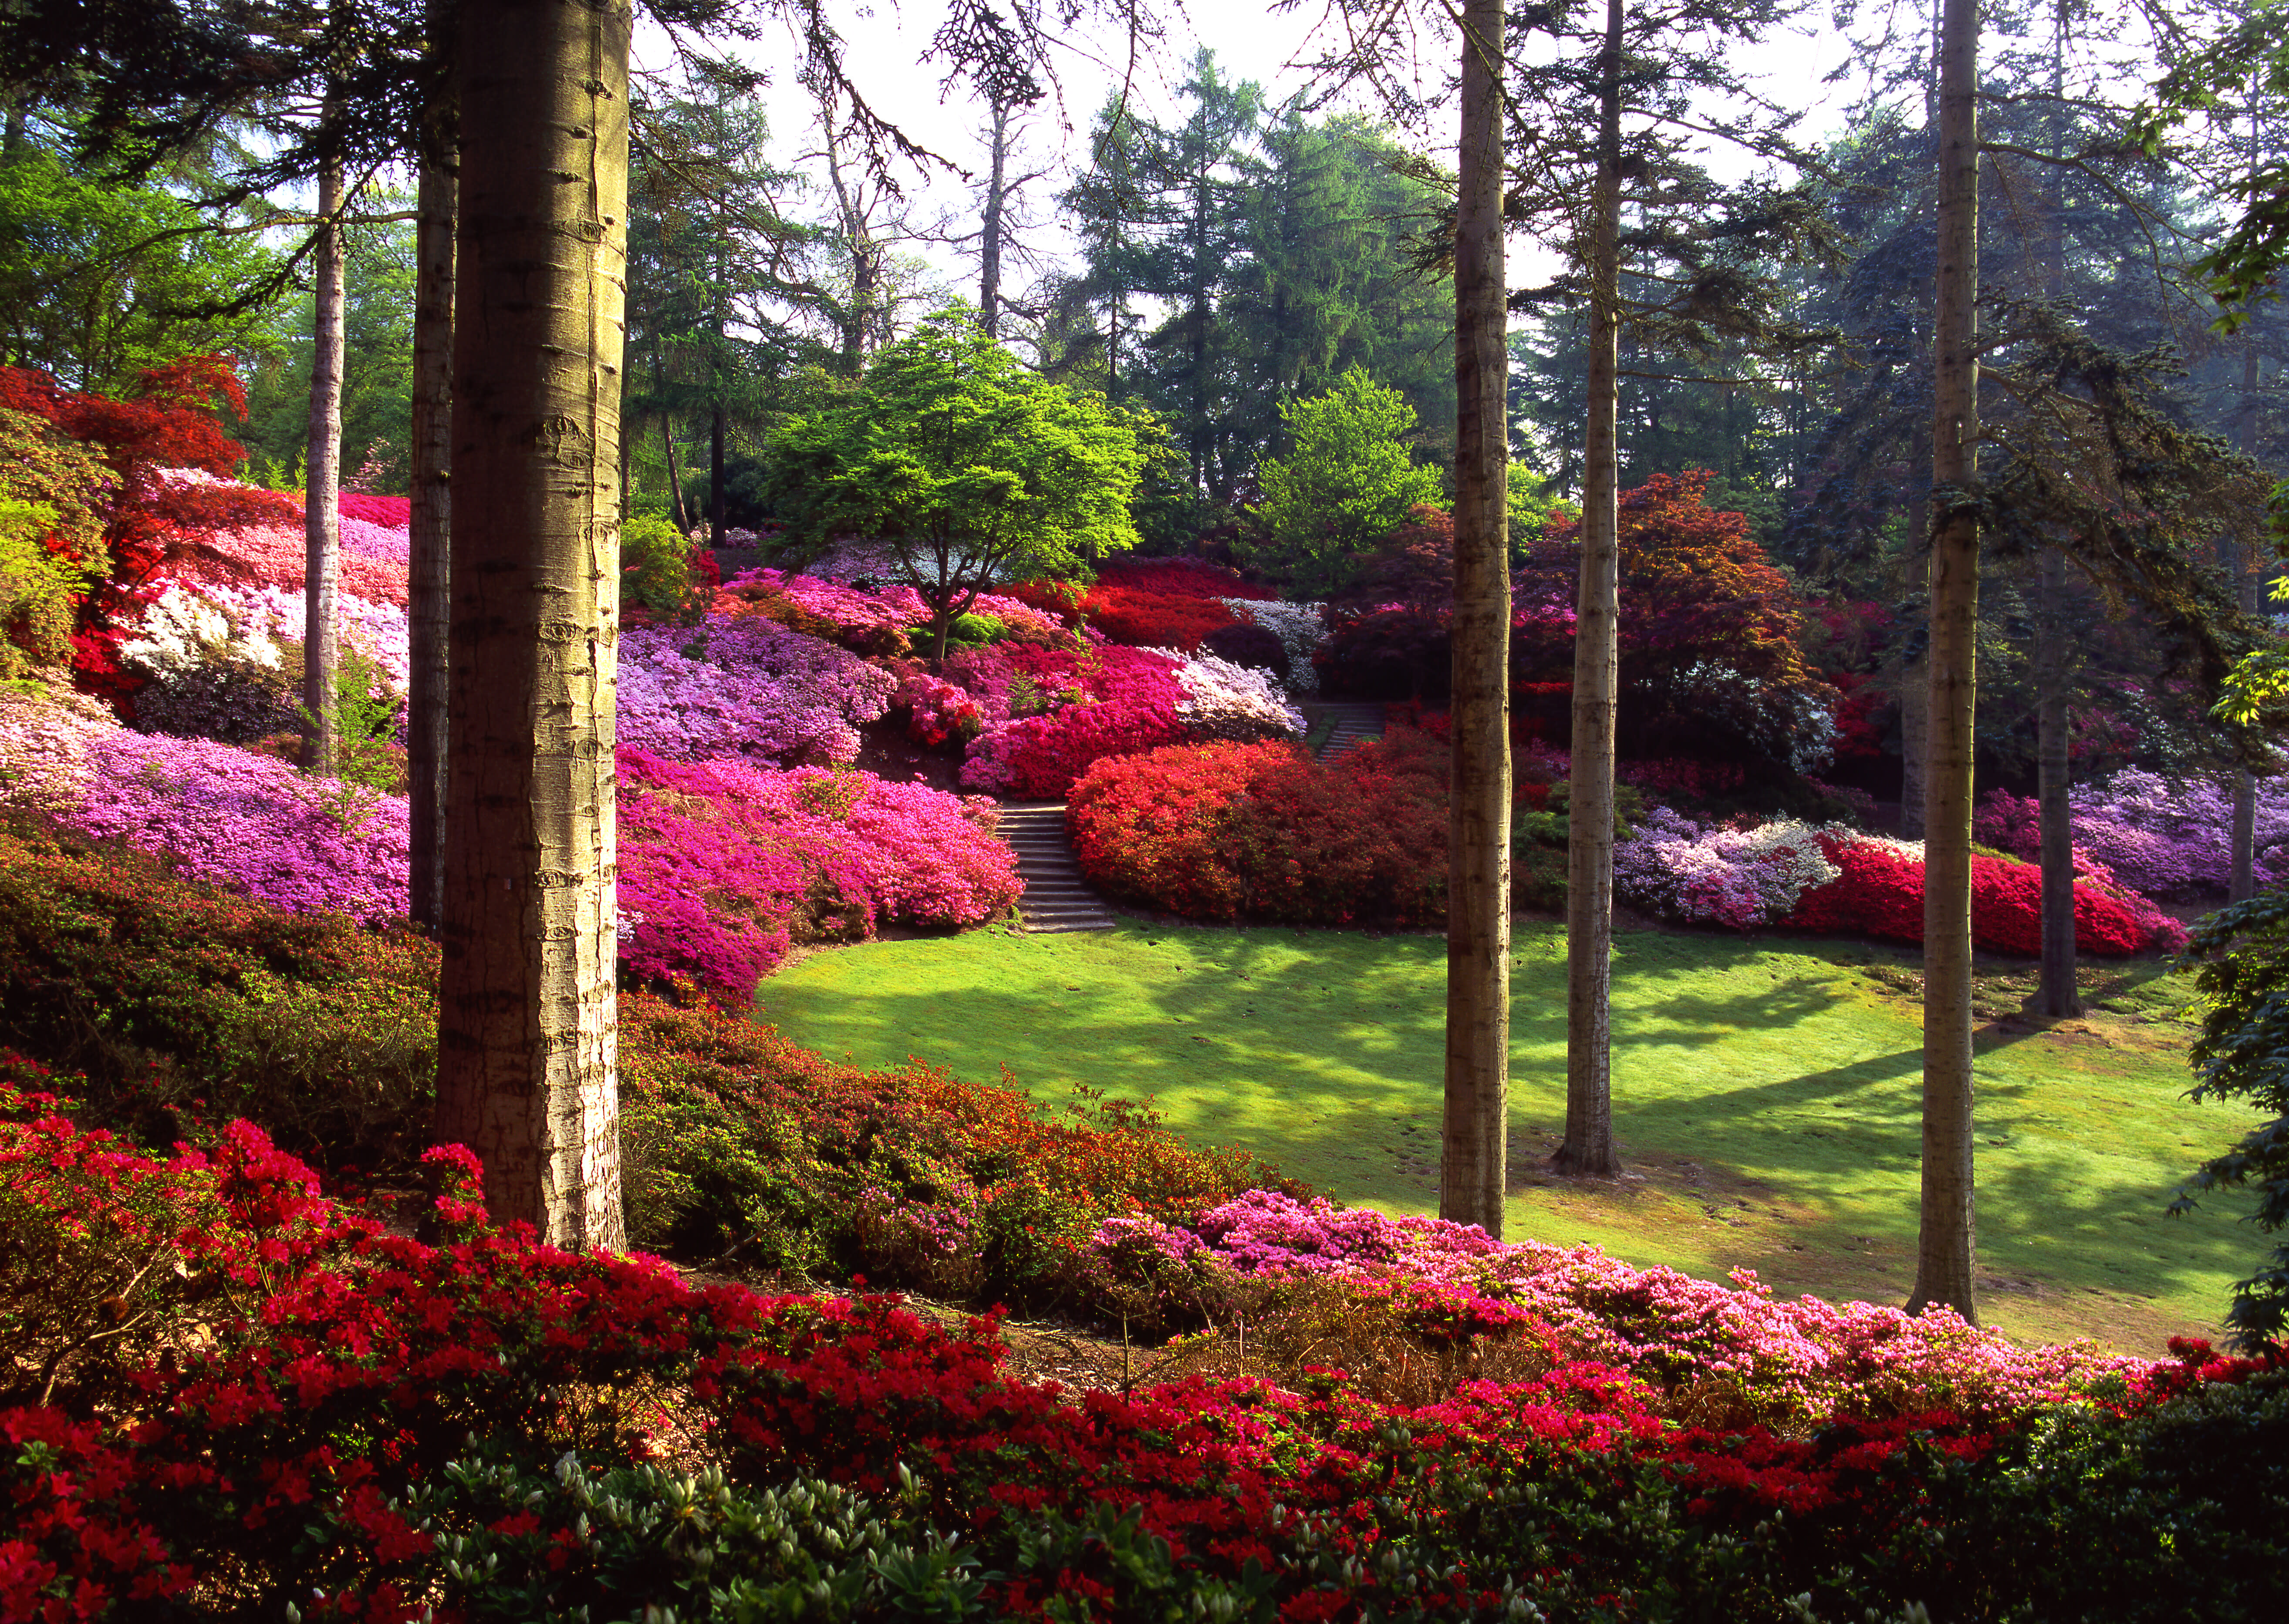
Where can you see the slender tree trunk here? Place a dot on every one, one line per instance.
(715, 476)
(1588, 1144)
(675, 479)
(1946, 1247)
(1474, 1163)
(2056, 996)
(321, 523)
(1915, 675)
(528, 1038)
(989, 232)
(429, 601)
(2242, 883)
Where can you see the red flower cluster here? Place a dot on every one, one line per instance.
(1165, 603)
(1880, 893)
(1225, 831)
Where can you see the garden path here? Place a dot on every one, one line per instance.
(1057, 897)
(1355, 723)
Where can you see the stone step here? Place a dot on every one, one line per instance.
(1057, 896)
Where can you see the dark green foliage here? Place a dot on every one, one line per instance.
(2243, 1052)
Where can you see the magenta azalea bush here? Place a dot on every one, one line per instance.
(746, 687)
(250, 822)
(861, 612)
(725, 865)
(2159, 836)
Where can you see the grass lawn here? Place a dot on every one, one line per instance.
(1765, 1094)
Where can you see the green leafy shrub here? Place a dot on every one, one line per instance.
(658, 568)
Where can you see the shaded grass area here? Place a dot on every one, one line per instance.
(1766, 1094)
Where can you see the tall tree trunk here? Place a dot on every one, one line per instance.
(1589, 1144)
(1474, 1162)
(1947, 1247)
(428, 600)
(675, 479)
(528, 1038)
(2056, 995)
(322, 525)
(989, 231)
(715, 476)
(2054, 653)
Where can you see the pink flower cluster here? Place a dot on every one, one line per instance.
(895, 606)
(742, 686)
(1051, 712)
(1808, 1359)
(935, 710)
(249, 823)
(724, 865)
(275, 556)
(2159, 836)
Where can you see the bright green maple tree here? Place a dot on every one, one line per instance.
(970, 469)
(1351, 481)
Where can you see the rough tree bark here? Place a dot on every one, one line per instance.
(1588, 1148)
(428, 601)
(715, 509)
(528, 1039)
(321, 525)
(1476, 1146)
(1947, 1245)
(2242, 882)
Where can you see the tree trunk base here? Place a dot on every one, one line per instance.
(1586, 1164)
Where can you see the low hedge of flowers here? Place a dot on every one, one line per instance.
(1787, 874)
(746, 687)
(724, 866)
(385, 1428)
(1228, 831)
(2167, 838)
(876, 619)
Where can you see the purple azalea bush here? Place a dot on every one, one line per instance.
(1738, 879)
(250, 822)
(2159, 836)
(745, 687)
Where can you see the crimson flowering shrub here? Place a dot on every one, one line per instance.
(875, 620)
(724, 865)
(1223, 832)
(1166, 603)
(1879, 892)
(1049, 713)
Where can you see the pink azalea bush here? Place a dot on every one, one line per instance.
(895, 606)
(746, 687)
(275, 554)
(725, 865)
(2159, 836)
(1805, 1361)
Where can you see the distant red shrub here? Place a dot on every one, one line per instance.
(1227, 831)
(1880, 893)
(1165, 603)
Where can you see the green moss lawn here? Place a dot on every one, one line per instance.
(1764, 1093)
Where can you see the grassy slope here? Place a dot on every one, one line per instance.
(1765, 1094)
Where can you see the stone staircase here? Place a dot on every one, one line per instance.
(1057, 896)
(1356, 723)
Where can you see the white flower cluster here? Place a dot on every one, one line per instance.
(1790, 721)
(1302, 628)
(1735, 878)
(1224, 701)
(183, 629)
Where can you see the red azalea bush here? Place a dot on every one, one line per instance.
(1047, 714)
(1165, 603)
(1880, 893)
(1226, 832)
(155, 514)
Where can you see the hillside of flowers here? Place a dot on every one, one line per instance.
(287, 1393)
